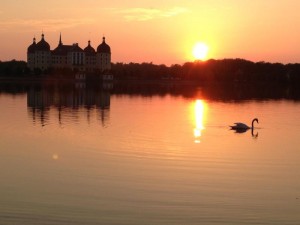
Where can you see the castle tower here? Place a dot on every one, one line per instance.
(90, 58)
(31, 55)
(42, 54)
(103, 57)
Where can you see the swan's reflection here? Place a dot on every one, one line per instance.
(199, 114)
(240, 131)
(254, 135)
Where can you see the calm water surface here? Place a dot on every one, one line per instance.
(94, 157)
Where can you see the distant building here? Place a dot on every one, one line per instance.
(39, 56)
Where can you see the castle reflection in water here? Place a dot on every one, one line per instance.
(68, 103)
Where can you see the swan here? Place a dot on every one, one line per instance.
(242, 126)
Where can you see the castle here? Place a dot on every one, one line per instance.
(39, 56)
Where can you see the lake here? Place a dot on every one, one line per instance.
(147, 154)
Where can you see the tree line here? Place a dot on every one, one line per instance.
(221, 71)
(13, 68)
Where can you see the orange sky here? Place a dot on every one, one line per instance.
(162, 32)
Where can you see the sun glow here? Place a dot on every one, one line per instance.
(200, 51)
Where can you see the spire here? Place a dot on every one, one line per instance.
(89, 43)
(103, 39)
(43, 35)
(33, 40)
(60, 43)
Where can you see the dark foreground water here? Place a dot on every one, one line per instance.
(75, 155)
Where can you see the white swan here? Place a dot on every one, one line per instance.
(242, 126)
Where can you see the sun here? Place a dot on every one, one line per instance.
(200, 51)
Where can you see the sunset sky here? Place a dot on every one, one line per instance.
(162, 32)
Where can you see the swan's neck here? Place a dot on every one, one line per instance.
(253, 123)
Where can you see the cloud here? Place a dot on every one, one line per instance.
(144, 14)
(45, 24)
(175, 11)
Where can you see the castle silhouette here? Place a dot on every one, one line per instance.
(39, 56)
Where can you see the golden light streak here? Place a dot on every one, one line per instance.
(199, 114)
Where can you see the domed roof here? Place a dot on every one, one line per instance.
(31, 48)
(103, 47)
(89, 49)
(42, 45)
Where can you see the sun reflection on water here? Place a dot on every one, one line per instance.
(199, 114)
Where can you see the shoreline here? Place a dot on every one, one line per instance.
(144, 81)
